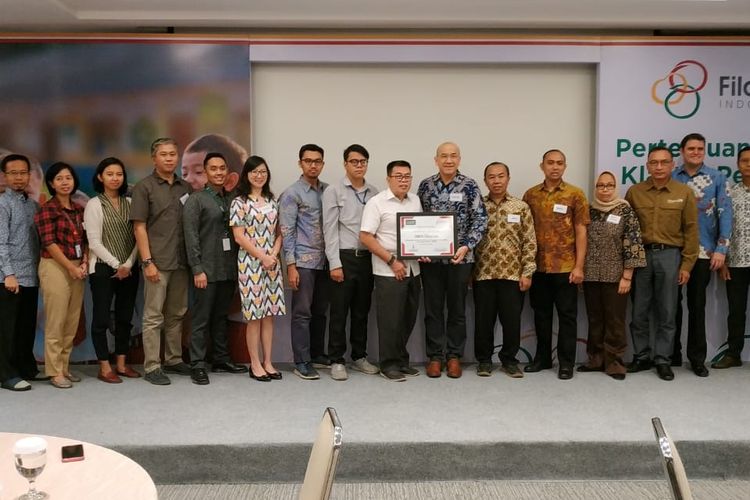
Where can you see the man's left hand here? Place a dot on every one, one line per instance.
(460, 254)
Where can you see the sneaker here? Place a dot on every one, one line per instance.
(364, 366)
(393, 375)
(199, 376)
(16, 384)
(321, 362)
(305, 371)
(484, 369)
(409, 371)
(157, 377)
(726, 362)
(178, 369)
(513, 371)
(338, 371)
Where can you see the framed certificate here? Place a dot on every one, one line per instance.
(431, 234)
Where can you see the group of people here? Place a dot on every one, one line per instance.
(339, 244)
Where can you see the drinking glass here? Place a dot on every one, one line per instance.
(31, 457)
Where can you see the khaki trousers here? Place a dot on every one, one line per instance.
(164, 307)
(63, 297)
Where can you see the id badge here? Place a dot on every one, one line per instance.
(79, 253)
(457, 197)
(225, 244)
(560, 209)
(613, 219)
(514, 218)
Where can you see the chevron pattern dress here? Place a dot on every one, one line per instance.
(261, 291)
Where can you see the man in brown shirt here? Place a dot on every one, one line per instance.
(561, 215)
(669, 225)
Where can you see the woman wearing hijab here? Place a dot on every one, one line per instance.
(615, 248)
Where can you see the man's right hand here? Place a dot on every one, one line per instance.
(11, 284)
(293, 276)
(151, 273)
(399, 270)
(337, 274)
(724, 273)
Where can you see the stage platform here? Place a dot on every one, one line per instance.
(237, 430)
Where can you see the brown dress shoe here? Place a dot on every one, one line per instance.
(110, 378)
(454, 368)
(434, 368)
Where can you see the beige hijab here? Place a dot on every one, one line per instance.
(607, 206)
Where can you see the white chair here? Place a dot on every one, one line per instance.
(321, 467)
(673, 467)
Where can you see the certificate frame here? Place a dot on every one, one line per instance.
(437, 228)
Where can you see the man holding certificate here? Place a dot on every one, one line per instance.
(446, 280)
(397, 281)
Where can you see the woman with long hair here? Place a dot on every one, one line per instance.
(253, 216)
(62, 271)
(112, 274)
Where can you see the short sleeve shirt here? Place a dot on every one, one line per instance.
(556, 214)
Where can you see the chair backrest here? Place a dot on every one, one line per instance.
(321, 467)
(673, 467)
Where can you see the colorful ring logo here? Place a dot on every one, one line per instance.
(679, 88)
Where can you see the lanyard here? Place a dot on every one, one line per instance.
(363, 198)
(222, 202)
(76, 225)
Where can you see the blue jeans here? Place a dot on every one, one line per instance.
(309, 306)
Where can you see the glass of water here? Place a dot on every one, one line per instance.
(31, 457)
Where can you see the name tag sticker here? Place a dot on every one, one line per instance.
(225, 244)
(457, 197)
(184, 198)
(560, 209)
(514, 218)
(613, 219)
(79, 253)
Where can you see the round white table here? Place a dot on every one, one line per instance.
(103, 473)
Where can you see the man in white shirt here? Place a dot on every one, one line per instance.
(397, 282)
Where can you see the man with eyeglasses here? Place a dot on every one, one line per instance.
(446, 281)
(301, 221)
(397, 282)
(349, 262)
(714, 231)
(19, 282)
(668, 216)
(561, 215)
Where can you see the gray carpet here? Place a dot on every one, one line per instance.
(516, 490)
(238, 430)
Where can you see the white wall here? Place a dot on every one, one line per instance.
(505, 112)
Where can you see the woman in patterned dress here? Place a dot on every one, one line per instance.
(253, 216)
(615, 248)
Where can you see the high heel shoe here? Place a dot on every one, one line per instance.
(263, 378)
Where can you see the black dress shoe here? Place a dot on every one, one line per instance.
(587, 368)
(699, 369)
(639, 365)
(537, 366)
(565, 373)
(228, 368)
(199, 376)
(263, 378)
(617, 376)
(664, 372)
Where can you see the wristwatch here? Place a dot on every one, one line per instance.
(392, 259)
(147, 262)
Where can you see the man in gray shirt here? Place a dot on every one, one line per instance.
(156, 212)
(19, 283)
(212, 255)
(350, 263)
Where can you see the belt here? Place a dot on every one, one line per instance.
(355, 251)
(658, 246)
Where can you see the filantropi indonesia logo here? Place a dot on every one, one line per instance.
(679, 91)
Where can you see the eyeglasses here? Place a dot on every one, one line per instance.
(310, 161)
(401, 177)
(663, 163)
(16, 173)
(605, 186)
(259, 173)
(354, 163)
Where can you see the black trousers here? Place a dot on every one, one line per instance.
(607, 340)
(309, 306)
(737, 292)
(209, 320)
(105, 288)
(397, 306)
(503, 300)
(549, 291)
(700, 276)
(351, 298)
(17, 332)
(445, 285)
